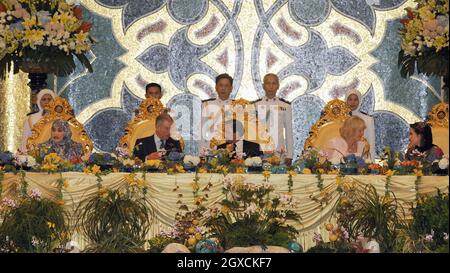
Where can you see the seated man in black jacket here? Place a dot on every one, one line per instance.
(157, 145)
(236, 143)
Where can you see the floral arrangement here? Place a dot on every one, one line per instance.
(425, 39)
(339, 241)
(42, 36)
(313, 161)
(32, 224)
(249, 215)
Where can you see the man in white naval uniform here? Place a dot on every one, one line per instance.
(276, 114)
(216, 111)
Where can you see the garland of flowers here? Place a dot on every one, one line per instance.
(291, 173)
(61, 183)
(388, 184)
(319, 180)
(23, 183)
(418, 174)
(2, 176)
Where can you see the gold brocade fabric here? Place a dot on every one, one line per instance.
(163, 199)
(14, 107)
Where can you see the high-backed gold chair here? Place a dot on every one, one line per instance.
(143, 124)
(438, 119)
(58, 109)
(334, 115)
(254, 131)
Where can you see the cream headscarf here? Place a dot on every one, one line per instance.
(39, 114)
(34, 118)
(354, 92)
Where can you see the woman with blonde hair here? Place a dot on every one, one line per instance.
(350, 140)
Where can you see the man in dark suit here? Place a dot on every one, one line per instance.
(157, 145)
(236, 143)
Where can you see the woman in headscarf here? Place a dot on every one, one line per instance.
(353, 100)
(43, 98)
(61, 143)
(421, 145)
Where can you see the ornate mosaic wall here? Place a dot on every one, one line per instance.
(318, 48)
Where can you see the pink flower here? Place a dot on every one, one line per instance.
(317, 238)
(9, 202)
(35, 194)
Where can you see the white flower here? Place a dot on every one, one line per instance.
(443, 163)
(250, 209)
(227, 182)
(445, 236)
(31, 161)
(128, 162)
(253, 161)
(372, 246)
(336, 160)
(73, 2)
(189, 159)
(9, 202)
(429, 237)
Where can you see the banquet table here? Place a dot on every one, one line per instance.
(164, 200)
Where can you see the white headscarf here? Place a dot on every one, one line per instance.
(354, 92)
(34, 118)
(39, 98)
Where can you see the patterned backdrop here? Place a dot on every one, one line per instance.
(320, 49)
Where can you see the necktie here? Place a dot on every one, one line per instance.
(163, 144)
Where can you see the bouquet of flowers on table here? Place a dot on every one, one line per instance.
(313, 161)
(105, 161)
(43, 36)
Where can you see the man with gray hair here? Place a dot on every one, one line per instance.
(157, 145)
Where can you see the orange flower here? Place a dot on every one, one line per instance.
(85, 27)
(333, 237)
(329, 227)
(77, 12)
(418, 172)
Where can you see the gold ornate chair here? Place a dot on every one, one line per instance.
(57, 109)
(334, 114)
(438, 119)
(254, 131)
(143, 124)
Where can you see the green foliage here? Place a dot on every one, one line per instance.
(158, 243)
(332, 247)
(250, 217)
(429, 63)
(114, 221)
(34, 225)
(373, 216)
(431, 217)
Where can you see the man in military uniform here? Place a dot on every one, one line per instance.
(276, 114)
(216, 110)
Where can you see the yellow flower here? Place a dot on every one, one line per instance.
(95, 170)
(51, 225)
(131, 179)
(191, 241)
(195, 186)
(390, 173)
(195, 222)
(321, 171)
(343, 200)
(179, 168)
(115, 170)
(30, 22)
(240, 170)
(60, 202)
(198, 236)
(153, 163)
(333, 172)
(141, 183)
(266, 174)
(333, 237)
(292, 173)
(191, 230)
(418, 172)
(66, 184)
(225, 210)
(87, 170)
(306, 171)
(425, 13)
(202, 170)
(103, 192)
